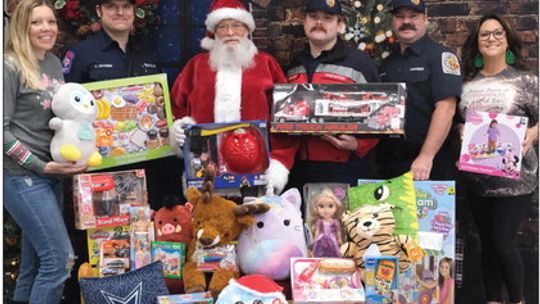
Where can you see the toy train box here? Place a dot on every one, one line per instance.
(371, 108)
(104, 199)
(238, 152)
(132, 124)
(188, 298)
(172, 255)
(492, 144)
(325, 280)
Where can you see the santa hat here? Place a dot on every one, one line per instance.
(225, 9)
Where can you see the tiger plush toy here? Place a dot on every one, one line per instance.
(372, 225)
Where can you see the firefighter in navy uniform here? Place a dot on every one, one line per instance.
(112, 52)
(325, 60)
(433, 78)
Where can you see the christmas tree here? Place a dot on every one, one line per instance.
(12, 250)
(368, 26)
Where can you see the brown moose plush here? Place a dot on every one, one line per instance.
(216, 222)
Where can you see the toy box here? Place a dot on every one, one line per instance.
(141, 233)
(237, 151)
(134, 115)
(371, 108)
(172, 255)
(104, 199)
(492, 144)
(325, 280)
(188, 298)
(318, 197)
(113, 257)
(381, 280)
(435, 202)
(94, 238)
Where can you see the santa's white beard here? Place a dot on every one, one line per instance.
(224, 56)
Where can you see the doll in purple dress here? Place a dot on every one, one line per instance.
(326, 211)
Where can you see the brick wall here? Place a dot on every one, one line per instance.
(279, 25)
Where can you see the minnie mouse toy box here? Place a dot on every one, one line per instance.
(238, 152)
(492, 144)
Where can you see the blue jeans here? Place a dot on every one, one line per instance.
(35, 202)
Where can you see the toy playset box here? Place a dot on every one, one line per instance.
(141, 234)
(371, 108)
(172, 255)
(325, 280)
(104, 199)
(134, 115)
(435, 202)
(237, 151)
(188, 298)
(492, 144)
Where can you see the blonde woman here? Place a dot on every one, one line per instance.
(32, 182)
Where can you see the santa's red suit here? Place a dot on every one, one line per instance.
(194, 91)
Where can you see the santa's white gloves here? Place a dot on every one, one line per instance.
(178, 133)
(276, 177)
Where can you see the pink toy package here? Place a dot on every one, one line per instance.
(492, 144)
(325, 280)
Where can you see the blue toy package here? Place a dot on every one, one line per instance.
(238, 152)
(381, 282)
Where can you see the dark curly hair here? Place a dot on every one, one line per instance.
(470, 49)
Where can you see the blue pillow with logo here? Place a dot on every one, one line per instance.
(140, 286)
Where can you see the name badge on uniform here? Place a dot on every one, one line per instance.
(450, 64)
(416, 69)
(103, 66)
(149, 66)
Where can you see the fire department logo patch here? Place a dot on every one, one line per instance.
(450, 64)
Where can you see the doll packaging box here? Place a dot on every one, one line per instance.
(325, 280)
(104, 199)
(132, 124)
(371, 108)
(172, 255)
(324, 207)
(237, 151)
(188, 298)
(492, 144)
(141, 233)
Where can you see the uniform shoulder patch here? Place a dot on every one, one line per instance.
(67, 62)
(450, 64)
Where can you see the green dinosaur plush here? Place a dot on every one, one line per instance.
(398, 192)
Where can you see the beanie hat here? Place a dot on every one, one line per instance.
(225, 9)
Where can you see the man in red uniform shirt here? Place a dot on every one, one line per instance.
(325, 60)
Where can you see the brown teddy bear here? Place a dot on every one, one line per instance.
(216, 222)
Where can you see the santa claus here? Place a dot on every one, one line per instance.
(231, 82)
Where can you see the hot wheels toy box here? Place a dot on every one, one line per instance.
(371, 108)
(134, 115)
(325, 280)
(238, 152)
(104, 199)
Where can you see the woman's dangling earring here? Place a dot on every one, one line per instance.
(509, 57)
(478, 61)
